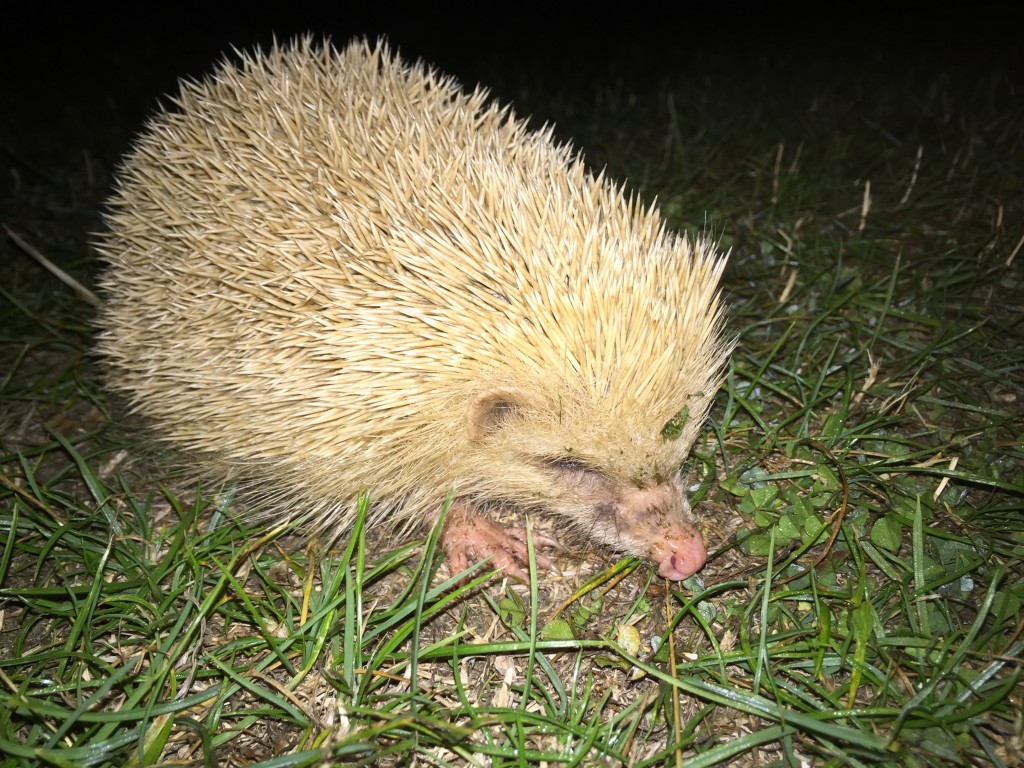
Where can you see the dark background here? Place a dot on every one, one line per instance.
(126, 58)
(77, 83)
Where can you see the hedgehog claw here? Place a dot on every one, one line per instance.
(469, 537)
(539, 540)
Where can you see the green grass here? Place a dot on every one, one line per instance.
(862, 481)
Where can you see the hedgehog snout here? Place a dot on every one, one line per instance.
(652, 521)
(657, 523)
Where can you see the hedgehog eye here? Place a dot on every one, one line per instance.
(568, 465)
(577, 473)
(575, 466)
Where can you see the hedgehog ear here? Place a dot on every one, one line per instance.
(493, 407)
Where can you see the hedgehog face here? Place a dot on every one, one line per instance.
(647, 521)
(623, 491)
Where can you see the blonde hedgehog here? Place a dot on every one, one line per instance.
(333, 272)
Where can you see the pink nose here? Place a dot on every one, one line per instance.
(679, 559)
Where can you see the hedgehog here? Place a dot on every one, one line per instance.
(332, 273)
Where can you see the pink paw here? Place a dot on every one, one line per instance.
(469, 537)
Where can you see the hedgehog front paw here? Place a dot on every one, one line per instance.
(469, 537)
